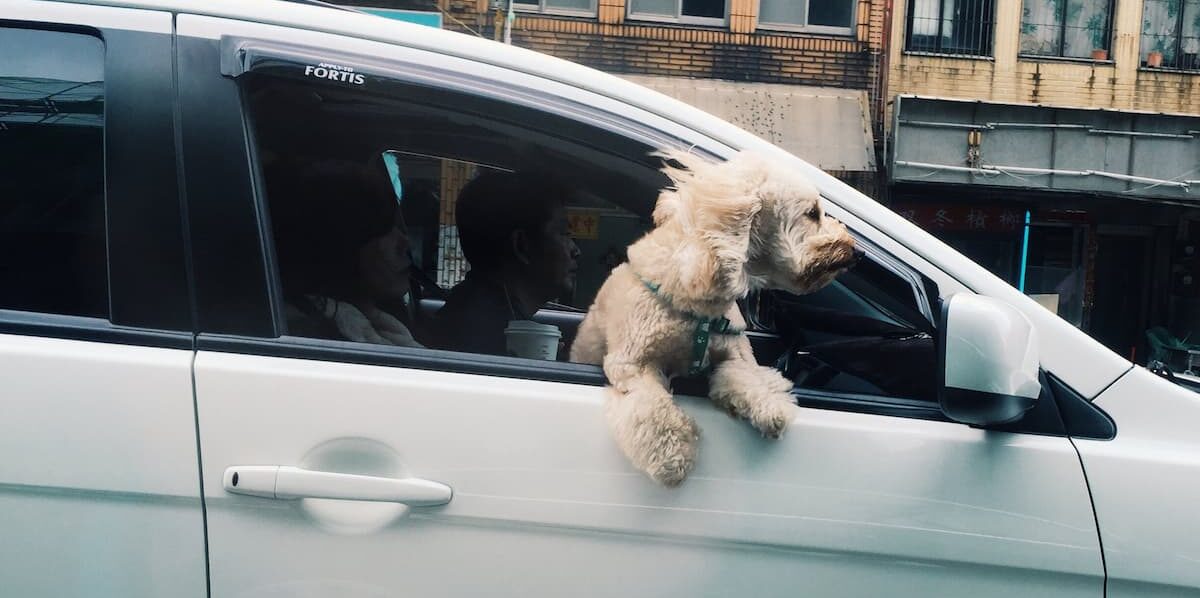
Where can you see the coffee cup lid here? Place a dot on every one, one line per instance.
(529, 326)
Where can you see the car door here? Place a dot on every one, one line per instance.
(99, 487)
(342, 468)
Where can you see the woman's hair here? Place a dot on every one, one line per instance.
(494, 204)
(322, 215)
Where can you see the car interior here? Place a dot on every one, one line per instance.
(870, 332)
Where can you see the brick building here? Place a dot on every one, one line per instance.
(1057, 142)
(798, 73)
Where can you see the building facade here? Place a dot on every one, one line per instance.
(1057, 142)
(797, 72)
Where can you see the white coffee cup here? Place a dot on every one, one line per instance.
(531, 340)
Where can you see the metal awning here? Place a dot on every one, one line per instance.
(1096, 151)
(827, 127)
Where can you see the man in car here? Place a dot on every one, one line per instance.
(513, 230)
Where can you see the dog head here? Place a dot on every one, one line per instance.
(762, 223)
(794, 245)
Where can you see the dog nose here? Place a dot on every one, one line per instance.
(858, 254)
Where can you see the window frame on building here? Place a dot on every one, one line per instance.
(540, 7)
(1176, 39)
(1060, 53)
(806, 27)
(678, 17)
(985, 40)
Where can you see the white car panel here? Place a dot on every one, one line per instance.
(846, 504)
(98, 487)
(544, 503)
(1146, 487)
(91, 16)
(990, 347)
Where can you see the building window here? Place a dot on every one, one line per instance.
(832, 16)
(556, 6)
(962, 27)
(700, 12)
(1067, 28)
(1171, 34)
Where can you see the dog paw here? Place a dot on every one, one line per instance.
(773, 416)
(673, 456)
(674, 472)
(775, 381)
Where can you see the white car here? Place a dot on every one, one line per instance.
(163, 434)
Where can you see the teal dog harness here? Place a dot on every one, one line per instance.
(705, 328)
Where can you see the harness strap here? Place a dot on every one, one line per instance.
(705, 327)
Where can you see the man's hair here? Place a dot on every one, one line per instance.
(494, 204)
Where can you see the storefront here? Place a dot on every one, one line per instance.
(1090, 212)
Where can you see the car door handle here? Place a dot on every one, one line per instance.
(286, 482)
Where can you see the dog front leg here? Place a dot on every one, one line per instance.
(653, 432)
(760, 394)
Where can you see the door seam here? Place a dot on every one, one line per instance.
(1095, 516)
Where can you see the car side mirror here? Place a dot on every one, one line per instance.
(988, 357)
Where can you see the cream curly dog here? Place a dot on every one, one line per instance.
(721, 230)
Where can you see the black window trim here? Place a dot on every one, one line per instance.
(902, 270)
(87, 329)
(138, 70)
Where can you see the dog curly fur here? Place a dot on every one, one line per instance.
(721, 230)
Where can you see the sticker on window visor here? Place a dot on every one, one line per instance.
(334, 72)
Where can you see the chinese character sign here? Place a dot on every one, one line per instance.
(984, 218)
(583, 224)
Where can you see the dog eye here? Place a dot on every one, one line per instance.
(812, 213)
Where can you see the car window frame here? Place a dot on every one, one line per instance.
(149, 300)
(279, 345)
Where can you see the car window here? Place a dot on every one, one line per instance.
(344, 166)
(866, 333)
(52, 235)
(333, 158)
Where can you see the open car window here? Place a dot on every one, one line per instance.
(870, 332)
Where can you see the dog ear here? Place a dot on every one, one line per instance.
(729, 214)
(719, 197)
(666, 207)
(680, 167)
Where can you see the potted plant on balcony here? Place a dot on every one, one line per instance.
(1097, 28)
(1154, 59)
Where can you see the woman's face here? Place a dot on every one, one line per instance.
(384, 265)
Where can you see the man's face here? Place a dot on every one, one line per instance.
(555, 257)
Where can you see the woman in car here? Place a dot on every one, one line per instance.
(343, 252)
